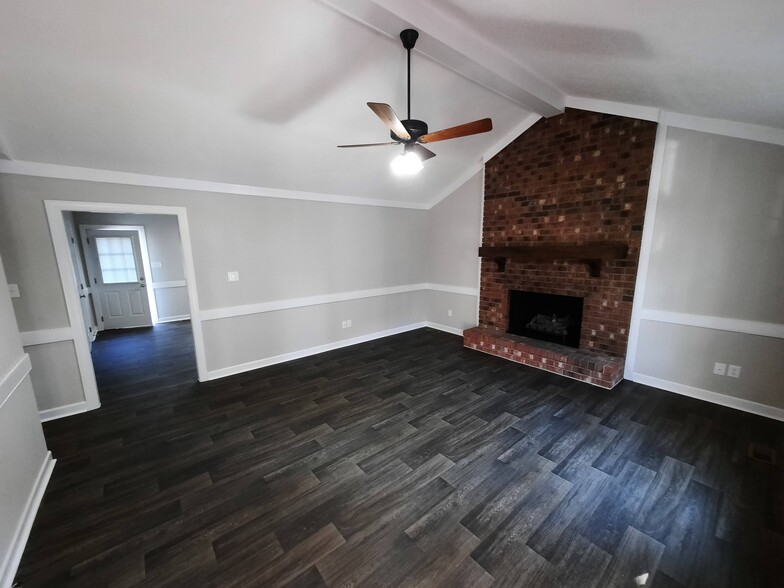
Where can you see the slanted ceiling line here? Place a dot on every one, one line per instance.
(445, 41)
(66, 172)
(478, 167)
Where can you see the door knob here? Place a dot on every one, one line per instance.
(82, 296)
(142, 285)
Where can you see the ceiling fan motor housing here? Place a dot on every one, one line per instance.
(415, 128)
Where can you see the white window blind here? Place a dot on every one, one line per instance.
(118, 264)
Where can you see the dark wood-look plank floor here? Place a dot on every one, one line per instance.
(407, 461)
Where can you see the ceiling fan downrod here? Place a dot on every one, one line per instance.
(409, 38)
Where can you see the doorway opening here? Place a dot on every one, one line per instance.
(126, 269)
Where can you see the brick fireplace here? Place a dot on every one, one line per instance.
(570, 185)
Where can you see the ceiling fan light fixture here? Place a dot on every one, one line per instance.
(407, 164)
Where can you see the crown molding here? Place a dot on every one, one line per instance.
(716, 126)
(618, 108)
(727, 128)
(86, 174)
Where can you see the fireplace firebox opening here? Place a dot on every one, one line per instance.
(547, 317)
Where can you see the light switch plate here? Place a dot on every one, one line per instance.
(719, 368)
(234, 276)
(733, 371)
(13, 290)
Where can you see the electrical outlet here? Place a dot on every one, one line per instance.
(719, 369)
(733, 371)
(234, 276)
(13, 290)
(449, 312)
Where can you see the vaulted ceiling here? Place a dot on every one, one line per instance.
(260, 93)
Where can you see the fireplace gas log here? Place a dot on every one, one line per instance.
(591, 253)
(547, 317)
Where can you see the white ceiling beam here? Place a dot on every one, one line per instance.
(461, 50)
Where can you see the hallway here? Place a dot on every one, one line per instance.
(133, 361)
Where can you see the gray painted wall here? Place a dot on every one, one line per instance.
(22, 447)
(718, 247)
(281, 248)
(717, 251)
(454, 228)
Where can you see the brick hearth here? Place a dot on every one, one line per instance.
(594, 368)
(573, 179)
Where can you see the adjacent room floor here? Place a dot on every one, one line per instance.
(406, 461)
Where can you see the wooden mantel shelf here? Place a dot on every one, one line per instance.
(591, 253)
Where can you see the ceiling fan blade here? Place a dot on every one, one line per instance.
(478, 126)
(371, 144)
(389, 118)
(423, 152)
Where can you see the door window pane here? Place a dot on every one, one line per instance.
(118, 264)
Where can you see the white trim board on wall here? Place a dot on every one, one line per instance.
(10, 565)
(709, 396)
(288, 303)
(170, 284)
(87, 174)
(13, 377)
(716, 323)
(175, 319)
(45, 336)
(640, 313)
(59, 412)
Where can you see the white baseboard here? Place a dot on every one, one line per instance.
(14, 556)
(174, 319)
(714, 397)
(267, 361)
(59, 412)
(445, 328)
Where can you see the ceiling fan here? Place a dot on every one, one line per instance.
(411, 133)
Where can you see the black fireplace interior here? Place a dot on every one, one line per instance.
(547, 317)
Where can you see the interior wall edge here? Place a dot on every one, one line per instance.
(11, 560)
(749, 406)
(646, 246)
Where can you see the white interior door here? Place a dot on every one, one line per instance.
(117, 277)
(83, 285)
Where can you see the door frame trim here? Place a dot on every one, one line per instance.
(146, 265)
(56, 221)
